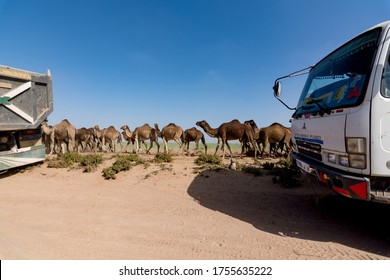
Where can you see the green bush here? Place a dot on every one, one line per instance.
(65, 160)
(122, 163)
(208, 159)
(163, 157)
(109, 173)
(90, 162)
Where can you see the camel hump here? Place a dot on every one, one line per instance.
(171, 124)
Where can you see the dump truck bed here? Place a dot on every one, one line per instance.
(26, 98)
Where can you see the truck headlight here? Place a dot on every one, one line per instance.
(357, 161)
(356, 145)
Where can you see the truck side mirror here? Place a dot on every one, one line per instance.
(277, 89)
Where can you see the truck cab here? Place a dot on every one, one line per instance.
(341, 124)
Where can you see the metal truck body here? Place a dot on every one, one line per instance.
(25, 102)
(341, 125)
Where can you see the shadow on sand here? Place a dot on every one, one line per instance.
(294, 211)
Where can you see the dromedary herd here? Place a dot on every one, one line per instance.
(63, 136)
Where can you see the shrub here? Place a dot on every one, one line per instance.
(91, 162)
(163, 157)
(209, 162)
(109, 173)
(65, 160)
(208, 159)
(122, 163)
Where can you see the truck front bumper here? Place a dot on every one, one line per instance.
(348, 185)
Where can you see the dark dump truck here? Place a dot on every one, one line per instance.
(26, 100)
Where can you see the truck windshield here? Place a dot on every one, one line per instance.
(340, 79)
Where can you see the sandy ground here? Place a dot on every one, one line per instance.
(169, 212)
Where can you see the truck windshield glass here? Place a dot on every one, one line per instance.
(340, 79)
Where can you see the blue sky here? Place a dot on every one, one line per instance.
(134, 62)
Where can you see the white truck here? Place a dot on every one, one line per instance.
(25, 102)
(341, 124)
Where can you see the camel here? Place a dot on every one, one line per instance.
(194, 135)
(233, 130)
(46, 131)
(99, 136)
(63, 132)
(143, 133)
(128, 136)
(85, 135)
(255, 131)
(109, 135)
(275, 134)
(171, 132)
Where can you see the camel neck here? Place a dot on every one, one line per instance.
(212, 132)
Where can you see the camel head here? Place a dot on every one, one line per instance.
(202, 124)
(251, 124)
(124, 127)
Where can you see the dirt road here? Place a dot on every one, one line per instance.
(166, 211)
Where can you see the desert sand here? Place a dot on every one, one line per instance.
(168, 211)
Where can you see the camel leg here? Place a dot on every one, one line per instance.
(266, 147)
(151, 145)
(103, 145)
(223, 149)
(227, 144)
(158, 147)
(127, 146)
(120, 146)
(165, 146)
(52, 143)
(243, 146)
(181, 146)
(216, 149)
(136, 145)
(63, 149)
(205, 146)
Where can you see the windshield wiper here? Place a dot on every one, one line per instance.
(323, 110)
(309, 104)
(304, 107)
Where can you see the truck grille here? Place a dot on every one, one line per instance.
(309, 149)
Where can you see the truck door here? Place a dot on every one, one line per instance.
(380, 112)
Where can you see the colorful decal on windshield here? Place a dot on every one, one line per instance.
(340, 93)
(354, 93)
